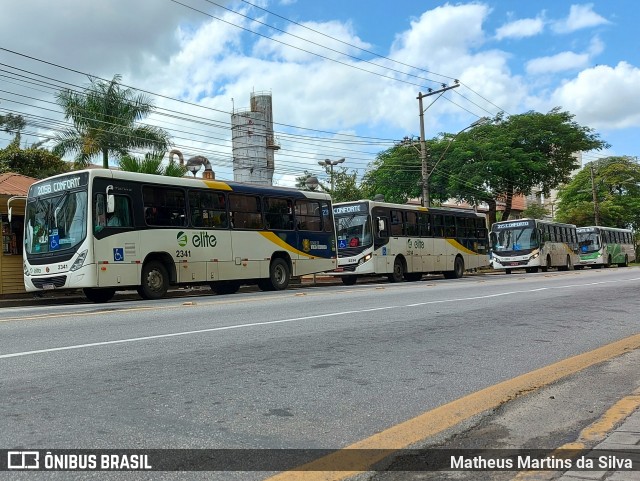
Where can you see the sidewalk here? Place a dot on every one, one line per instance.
(624, 438)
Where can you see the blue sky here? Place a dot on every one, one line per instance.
(349, 88)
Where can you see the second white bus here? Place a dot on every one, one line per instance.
(407, 241)
(533, 244)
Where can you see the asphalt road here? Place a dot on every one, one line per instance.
(306, 368)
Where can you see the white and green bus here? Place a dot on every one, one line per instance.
(406, 241)
(606, 246)
(106, 230)
(533, 244)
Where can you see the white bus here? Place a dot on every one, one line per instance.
(407, 241)
(107, 230)
(605, 246)
(533, 244)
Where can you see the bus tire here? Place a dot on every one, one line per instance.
(398, 271)
(155, 281)
(99, 295)
(567, 266)
(458, 269)
(545, 268)
(225, 287)
(531, 270)
(608, 263)
(349, 280)
(279, 274)
(625, 263)
(507, 271)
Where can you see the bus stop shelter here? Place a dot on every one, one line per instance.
(11, 275)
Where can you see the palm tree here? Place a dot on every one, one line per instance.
(152, 164)
(104, 122)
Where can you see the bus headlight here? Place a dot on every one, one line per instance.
(365, 259)
(534, 256)
(79, 261)
(25, 269)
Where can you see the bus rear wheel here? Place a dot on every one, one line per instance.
(625, 263)
(99, 295)
(155, 281)
(567, 266)
(458, 269)
(349, 280)
(279, 276)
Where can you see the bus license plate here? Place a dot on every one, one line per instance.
(48, 287)
(514, 264)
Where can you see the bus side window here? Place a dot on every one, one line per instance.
(99, 216)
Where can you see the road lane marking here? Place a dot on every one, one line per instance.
(266, 323)
(430, 423)
(592, 434)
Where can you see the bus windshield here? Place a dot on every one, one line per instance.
(516, 239)
(55, 223)
(589, 241)
(353, 230)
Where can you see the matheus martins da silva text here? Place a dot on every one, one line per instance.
(551, 462)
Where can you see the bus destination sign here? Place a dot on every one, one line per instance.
(60, 184)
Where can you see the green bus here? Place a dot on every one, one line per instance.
(605, 246)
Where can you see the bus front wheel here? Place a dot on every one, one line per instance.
(398, 271)
(99, 295)
(155, 281)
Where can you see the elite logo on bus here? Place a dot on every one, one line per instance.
(182, 239)
(201, 239)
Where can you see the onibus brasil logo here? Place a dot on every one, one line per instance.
(200, 239)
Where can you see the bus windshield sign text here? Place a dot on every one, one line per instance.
(57, 185)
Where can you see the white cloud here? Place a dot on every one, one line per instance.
(603, 97)
(580, 16)
(557, 63)
(564, 61)
(526, 27)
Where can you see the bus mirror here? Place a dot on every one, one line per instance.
(381, 224)
(111, 201)
(9, 215)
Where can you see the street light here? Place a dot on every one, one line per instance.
(330, 164)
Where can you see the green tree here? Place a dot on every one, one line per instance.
(33, 161)
(396, 174)
(13, 124)
(535, 211)
(509, 156)
(491, 161)
(105, 120)
(615, 185)
(152, 164)
(346, 187)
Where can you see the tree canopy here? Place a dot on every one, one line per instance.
(489, 162)
(105, 120)
(152, 164)
(32, 161)
(617, 194)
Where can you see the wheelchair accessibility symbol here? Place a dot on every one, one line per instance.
(54, 242)
(118, 254)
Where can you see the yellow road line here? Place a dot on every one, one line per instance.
(592, 434)
(448, 415)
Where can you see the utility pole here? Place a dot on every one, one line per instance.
(596, 207)
(423, 147)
